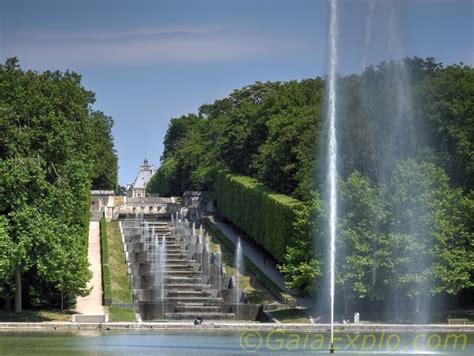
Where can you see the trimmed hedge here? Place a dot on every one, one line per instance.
(265, 216)
(104, 254)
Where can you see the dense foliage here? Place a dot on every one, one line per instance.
(406, 136)
(266, 131)
(53, 150)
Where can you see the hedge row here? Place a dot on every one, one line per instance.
(265, 216)
(104, 253)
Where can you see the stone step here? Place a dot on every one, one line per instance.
(176, 273)
(205, 315)
(188, 294)
(148, 256)
(188, 286)
(198, 308)
(155, 295)
(194, 300)
(180, 267)
(149, 268)
(183, 280)
(148, 273)
(152, 240)
(177, 255)
(183, 283)
(176, 261)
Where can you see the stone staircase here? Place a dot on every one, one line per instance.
(188, 290)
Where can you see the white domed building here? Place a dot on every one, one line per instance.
(137, 188)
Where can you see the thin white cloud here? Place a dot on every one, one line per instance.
(106, 34)
(144, 45)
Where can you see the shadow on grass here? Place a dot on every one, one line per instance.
(36, 315)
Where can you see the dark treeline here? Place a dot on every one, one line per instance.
(406, 135)
(53, 150)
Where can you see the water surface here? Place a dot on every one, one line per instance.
(210, 342)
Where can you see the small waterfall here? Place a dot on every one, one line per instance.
(145, 235)
(163, 274)
(156, 262)
(238, 267)
(219, 269)
(194, 229)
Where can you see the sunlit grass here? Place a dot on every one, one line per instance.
(120, 284)
(121, 292)
(121, 314)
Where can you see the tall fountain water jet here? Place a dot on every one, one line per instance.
(238, 267)
(332, 152)
(368, 31)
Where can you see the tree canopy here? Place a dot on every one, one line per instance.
(405, 133)
(53, 149)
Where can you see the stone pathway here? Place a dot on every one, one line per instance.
(92, 304)
(257, 257)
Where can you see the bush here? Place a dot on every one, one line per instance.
(265, 216)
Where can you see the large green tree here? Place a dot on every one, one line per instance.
(53, 150)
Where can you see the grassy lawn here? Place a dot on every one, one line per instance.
(121, 314)
(292, 315)
(36, 315)
(121, 292)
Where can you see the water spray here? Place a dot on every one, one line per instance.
(332, 151)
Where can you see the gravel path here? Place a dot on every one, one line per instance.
(92, 304)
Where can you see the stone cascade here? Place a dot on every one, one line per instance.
(173, 273)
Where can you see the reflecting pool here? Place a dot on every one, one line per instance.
(211, 342)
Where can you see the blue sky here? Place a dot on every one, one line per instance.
(148, 61)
